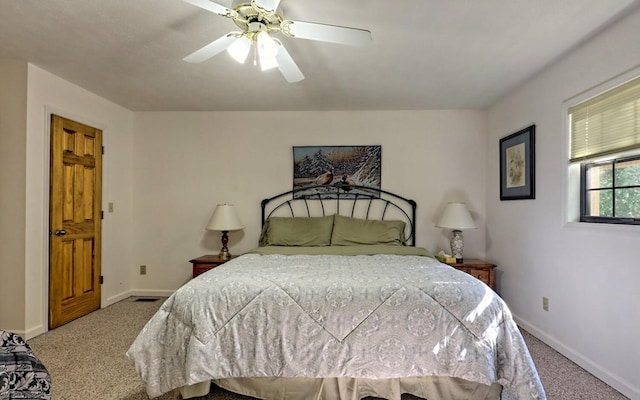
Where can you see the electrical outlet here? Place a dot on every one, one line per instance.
(143, 270)
(545, 303)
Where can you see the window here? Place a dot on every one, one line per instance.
(605, 142)
(611, 191)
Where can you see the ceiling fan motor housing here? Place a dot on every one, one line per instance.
(248, 14)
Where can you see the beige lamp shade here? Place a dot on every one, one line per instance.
(456, 216)
(225, 218)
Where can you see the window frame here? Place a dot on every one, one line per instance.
(570, 186)
(584, 167)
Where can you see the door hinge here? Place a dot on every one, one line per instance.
(101, 214)
(103, 150)
(101, 279)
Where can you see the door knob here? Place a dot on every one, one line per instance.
(61, 232)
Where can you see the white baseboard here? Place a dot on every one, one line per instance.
(136, 293)
(34, 331)
(151, 293)
(114, 299)
(624, 387)
(29, 333)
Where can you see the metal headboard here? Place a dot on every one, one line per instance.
(353, 201)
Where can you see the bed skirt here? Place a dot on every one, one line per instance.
(432, 388)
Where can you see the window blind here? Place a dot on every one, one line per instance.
(606, 124)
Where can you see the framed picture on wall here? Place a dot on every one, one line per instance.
(517, 165)
(338, 166)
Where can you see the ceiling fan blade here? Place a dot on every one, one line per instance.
(211, 6)
(326, 33)
(213, 48)
(266, 5)
(287, 66)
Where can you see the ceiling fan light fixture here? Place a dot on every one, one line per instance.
(239, 50)
(257, 20)
(266, 46)
(268, 63)
(267, 50)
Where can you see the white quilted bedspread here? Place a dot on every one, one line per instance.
(382, 316)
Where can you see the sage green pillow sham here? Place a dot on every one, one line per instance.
(297, 231)
(349, 231)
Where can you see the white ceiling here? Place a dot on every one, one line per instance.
(425, 54)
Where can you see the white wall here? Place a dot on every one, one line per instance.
(13, 110)
(49, 94)
(187, 162)
(590, 273)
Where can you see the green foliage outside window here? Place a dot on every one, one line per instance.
(611, 198)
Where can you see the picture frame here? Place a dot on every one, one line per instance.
(517, 165)
(335, 166)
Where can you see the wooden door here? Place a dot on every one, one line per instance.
(75, 220)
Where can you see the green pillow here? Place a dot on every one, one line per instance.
(297, 231)
(353, 231)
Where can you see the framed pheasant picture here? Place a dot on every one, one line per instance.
(337, 166)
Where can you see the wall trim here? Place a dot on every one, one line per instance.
(33, 332)
(114, 299)
(151, 293)
(40, 329)
(624, 387)
(137, 293)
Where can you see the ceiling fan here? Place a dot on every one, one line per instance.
(258, 20)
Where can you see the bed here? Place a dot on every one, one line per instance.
(336, 303)
(22, 374)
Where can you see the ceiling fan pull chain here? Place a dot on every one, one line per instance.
(255, 56)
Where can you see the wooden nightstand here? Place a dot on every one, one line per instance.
(207, 262)
(479, 269)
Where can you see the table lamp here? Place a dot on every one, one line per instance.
(225, 219)
(456, 216)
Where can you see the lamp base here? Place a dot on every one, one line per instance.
(224, 255)
(457, 245)
(224, 251)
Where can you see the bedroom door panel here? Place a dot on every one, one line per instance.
(75, 220)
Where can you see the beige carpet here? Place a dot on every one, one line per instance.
(87, 362)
